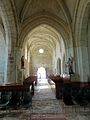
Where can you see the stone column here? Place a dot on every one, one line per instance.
(18, 55)
(89, 47)
(11, 71)
(82, 63)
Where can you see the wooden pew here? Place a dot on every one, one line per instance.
(11, 87)
(34, 79)
(71, 90)
(17, 93)
(58, 85)
(30, 81)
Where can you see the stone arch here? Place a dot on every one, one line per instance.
(82, 63)
(51, 20)
(8, 22)
(7, 16)
(46, 18)
(2, 55)
(81, 21)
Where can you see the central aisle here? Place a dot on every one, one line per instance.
(43, 91)
(44, 103)
(46, 107)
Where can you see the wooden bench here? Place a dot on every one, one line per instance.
(18, 95)
(14, 88)
(30, 81)
(58, 85)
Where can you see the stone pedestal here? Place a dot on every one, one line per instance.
(75, 77)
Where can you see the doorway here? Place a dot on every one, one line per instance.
(41, 73)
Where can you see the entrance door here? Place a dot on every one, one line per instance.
(41, 73)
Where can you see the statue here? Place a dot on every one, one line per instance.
(70, 65)
(22, 62)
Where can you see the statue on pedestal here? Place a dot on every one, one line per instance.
(22, 62)
(70, 65)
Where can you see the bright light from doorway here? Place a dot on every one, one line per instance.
(41, 73)
(41, 50)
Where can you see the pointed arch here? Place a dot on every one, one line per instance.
(49, 19)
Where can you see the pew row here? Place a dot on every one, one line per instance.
(10, 87)
(31, 80)
(15, 95)
(71, 91)
(58, 85)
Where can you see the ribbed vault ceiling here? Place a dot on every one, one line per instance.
(44, 37)
(26, 10)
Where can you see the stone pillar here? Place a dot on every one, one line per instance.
(18, 65)
(11, 71)
(14, 66)
(6, 64)
(89, 47)
(83, 65)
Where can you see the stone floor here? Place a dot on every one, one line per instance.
(46, 107)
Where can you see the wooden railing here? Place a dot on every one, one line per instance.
(14, 87)
(61, 82)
